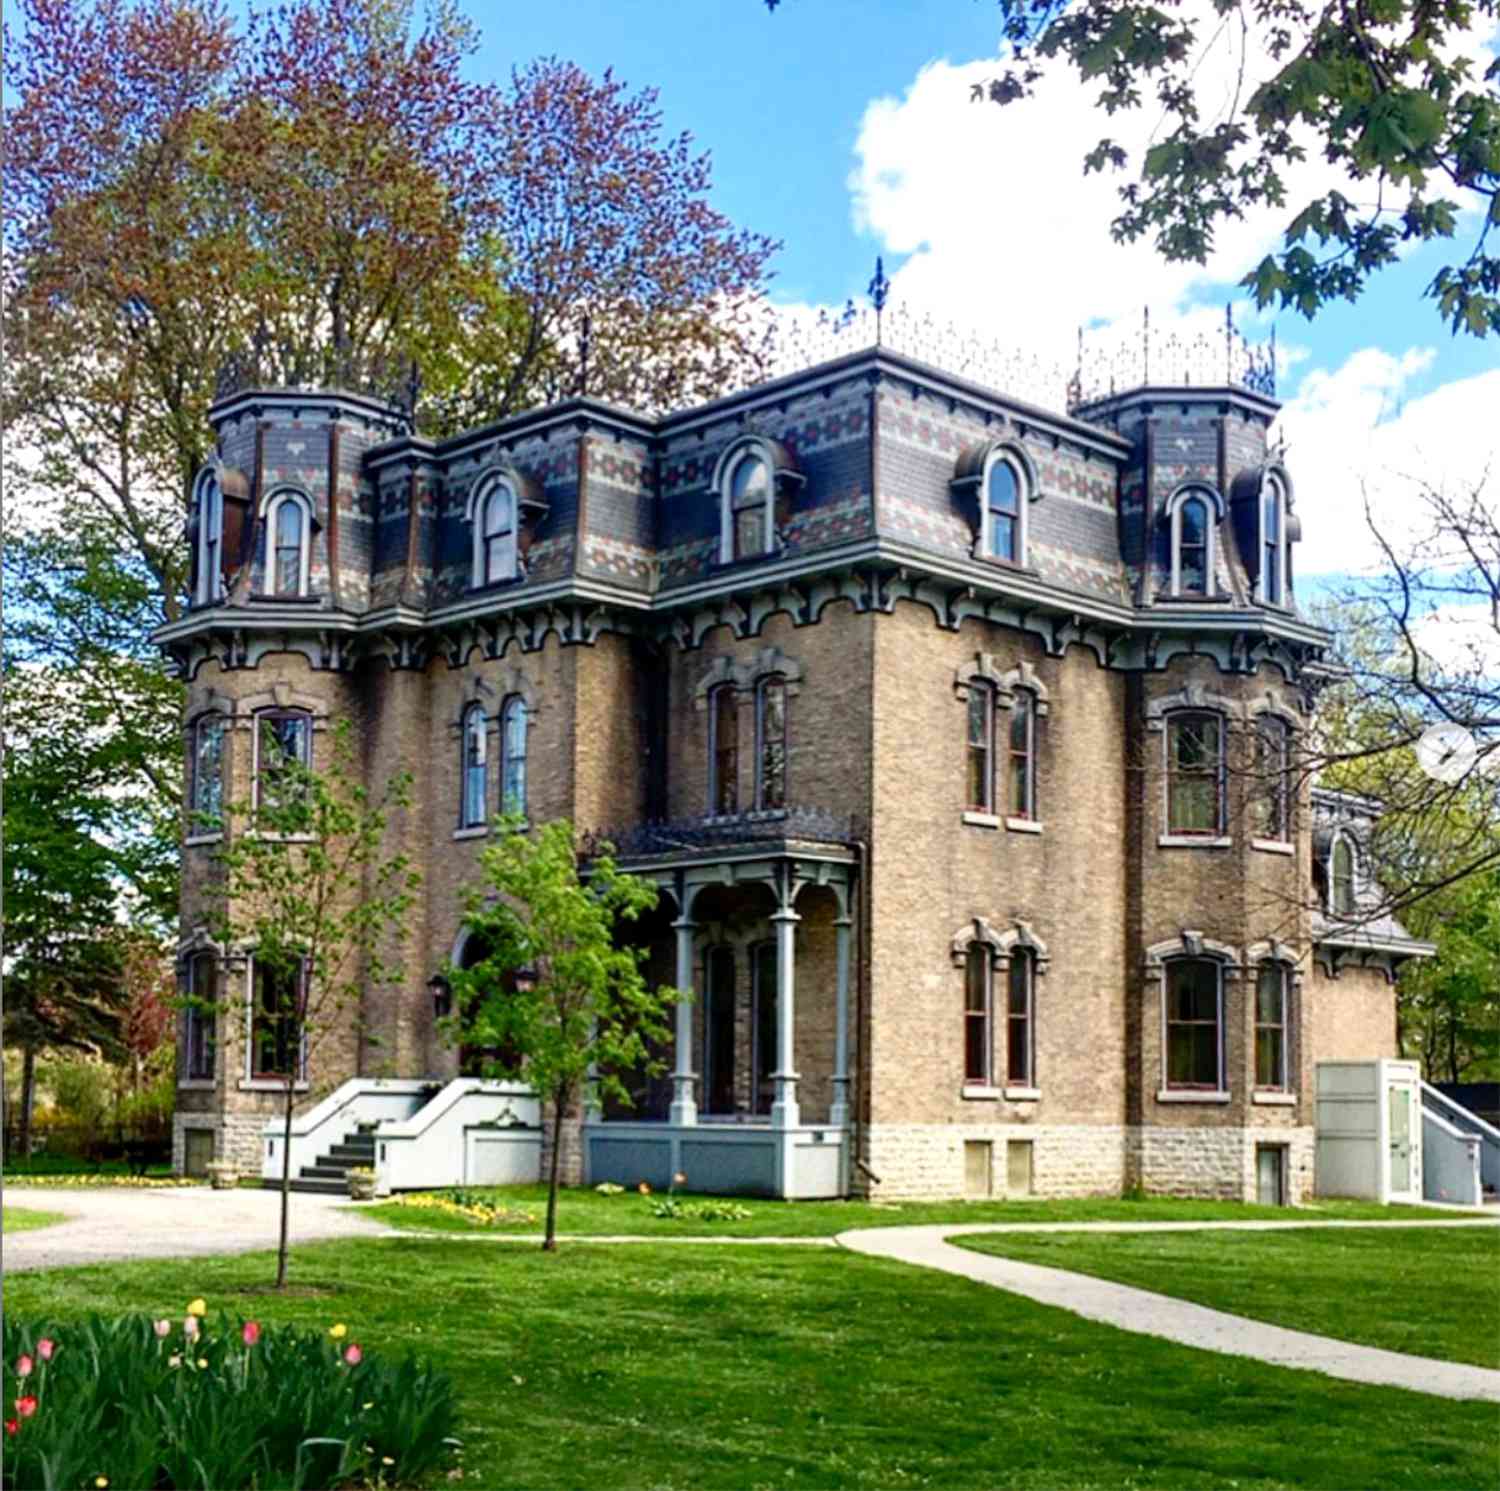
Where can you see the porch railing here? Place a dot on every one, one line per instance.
(722, 831)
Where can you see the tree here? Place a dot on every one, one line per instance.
(308, 890)
(566, 1005)
(1389, 95)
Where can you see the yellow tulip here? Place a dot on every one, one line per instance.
(197, 1307)
(339, 1331)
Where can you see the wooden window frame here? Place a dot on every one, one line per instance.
(473, 767)
(723, 753)
(763, 688)
(1281, 1079)
(980, 753)
(1021, 759)
(1022, 967)
(1169, 1024)
(199, 1035)
(264, 717)
(513, 760)
(1177, 775)
(255, 1014)
(978, 1015)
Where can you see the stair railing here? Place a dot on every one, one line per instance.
(1457, 1116)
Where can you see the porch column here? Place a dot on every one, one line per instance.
(838, 1113)
(785, 1113)
(684, 1109)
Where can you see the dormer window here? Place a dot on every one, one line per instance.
(997, 484)
(495, 535)
(1273, 542)
(1002, 512)
(1193, 514)
(750, 477)
(1341, 900)
(288, 529)
(210, 513)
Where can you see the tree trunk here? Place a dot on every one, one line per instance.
(549, 1242)
(28, 1098)
(286, 1183)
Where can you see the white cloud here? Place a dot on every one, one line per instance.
(1353, 435)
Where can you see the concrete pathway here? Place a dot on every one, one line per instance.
(1174, 1319)
(114, 1223)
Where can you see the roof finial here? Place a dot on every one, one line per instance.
(878, 289)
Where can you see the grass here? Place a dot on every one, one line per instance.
(1430, 1292)
(784, 1367)
(25, 1219)
(583, 1212)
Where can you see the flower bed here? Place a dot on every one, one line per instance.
(133, 1403)
(75, 1181)
(464, 1204)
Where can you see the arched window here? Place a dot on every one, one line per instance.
(503, 1058)
(288, 528)
(1271, 803)
(1195, 773)
(770, 736)
(475, 808)
(981, 776)
(1021, 756)
(1004, 512)
(1341, 877)
(723, 750)
(718, 1031)
(200, 1015)
(1273, 542)
(1020, 1038)
(283, 742)
(513, 720)
(1272, 1025)
(1194, 1024)
(977, 1040)
(1191, 549)
(748, 493)
(206, 794)
(494, 521)
(210, 540)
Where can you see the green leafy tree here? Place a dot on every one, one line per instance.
(558, 995)
(310, 891)
(1393, 95)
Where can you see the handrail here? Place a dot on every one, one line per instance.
(453, 1092)
(1486, 1129)
(1451, 1129)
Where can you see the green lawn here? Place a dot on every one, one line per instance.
(750, 1367)
(586, 1213)
(24, 1219)
(1426, 1291)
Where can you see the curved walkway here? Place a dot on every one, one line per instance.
(1174, 1319)
(113, 1223)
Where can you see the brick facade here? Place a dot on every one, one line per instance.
(640, 646)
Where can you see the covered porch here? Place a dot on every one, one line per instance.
(757, 918)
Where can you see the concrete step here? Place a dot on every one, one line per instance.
(322, 1187)
(322, 1171)
(350, 1154)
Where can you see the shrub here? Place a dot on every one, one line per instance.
(129, 1403)
(670, 1208)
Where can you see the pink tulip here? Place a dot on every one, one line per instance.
(251, 1333)
(26, 1406)
(353, 1355)
(23, 1366)
(190, 1327)
(163, 1329)
(44, 1349)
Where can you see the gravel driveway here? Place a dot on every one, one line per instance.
(116, 1222)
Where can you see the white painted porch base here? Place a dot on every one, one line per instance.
(804, 1163)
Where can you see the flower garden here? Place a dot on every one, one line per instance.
(214, 1404)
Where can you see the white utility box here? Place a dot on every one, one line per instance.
(1369, 1130)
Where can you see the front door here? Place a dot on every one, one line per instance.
(1270, 1175)
(1400, 1098)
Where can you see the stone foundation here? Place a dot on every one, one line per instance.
(1217, 1162)
(922, 1160)
(236, 1137)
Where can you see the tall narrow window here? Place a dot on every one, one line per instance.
(513, 723)
(749, 501)
(475, 775)
(718, 1031)
(1195, 774)
(764, 1024)
(200, 1016)
(1020, 1065)
(981, 736)
(276, 1018)
(495, 536)
(1021, 801)
(1272, 529)
(1003, 512)
(1342, 878)
(724, 751)
(770, 730)
(1272, 789)
(1192, 547)
(210, 540)
(207, 793)
(283, 742)
(1194, 1024)
(977, 1044)
(1271, 1026)
(288, 530)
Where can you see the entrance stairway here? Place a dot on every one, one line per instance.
(1461, 1152)
(329, 1173)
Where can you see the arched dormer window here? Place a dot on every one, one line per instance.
(1273, 541)
(1193, 514)
(1003, 483)
(494, 519)
(288, 544)
(749, 478)
(475, 808)
(513, 723)
(209, 504)
(1342, 866)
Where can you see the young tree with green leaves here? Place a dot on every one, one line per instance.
(308, 889)
(558, 994)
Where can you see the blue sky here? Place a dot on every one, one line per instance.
(843, 128)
